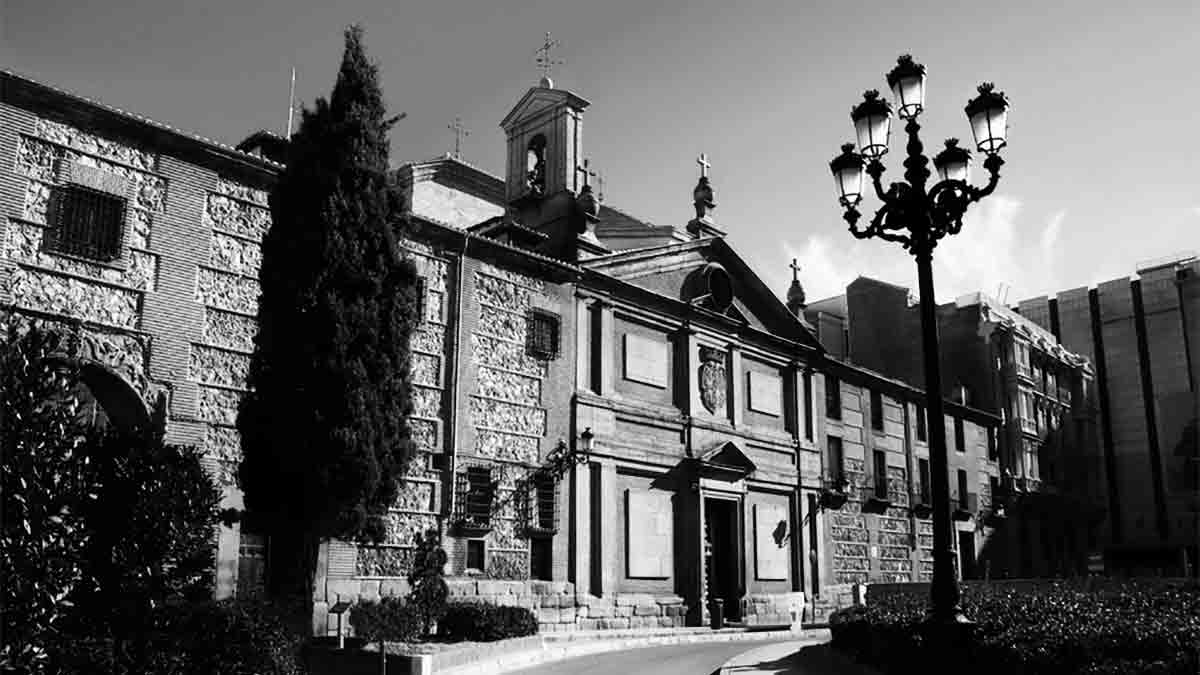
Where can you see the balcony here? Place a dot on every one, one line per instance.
(966, 507)
(922, 503)
(833, 492)
(877, 499)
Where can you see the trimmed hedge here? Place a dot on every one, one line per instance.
(486, 623)
(1144, 627)
(390, 619)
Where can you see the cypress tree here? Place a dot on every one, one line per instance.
(324, 427)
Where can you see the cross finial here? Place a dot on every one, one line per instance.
(459, 132)
(587, 171)
(544, 61)
(795, 270)
(705, 165)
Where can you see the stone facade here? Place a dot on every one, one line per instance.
(692, 415)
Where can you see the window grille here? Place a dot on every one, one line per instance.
(542, 337)
(475, 492)
(542, 507)
(87, 223)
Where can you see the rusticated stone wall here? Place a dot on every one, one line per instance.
(107, 294)
(227, 286)
(506, 409)
(417, 507)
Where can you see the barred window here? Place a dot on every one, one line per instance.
(475, 493)
(543, 516)
(542, 338)
(86, 223)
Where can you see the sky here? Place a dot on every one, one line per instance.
(1101, 171)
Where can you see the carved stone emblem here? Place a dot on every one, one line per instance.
(712, 379)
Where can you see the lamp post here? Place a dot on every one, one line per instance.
(924, 216)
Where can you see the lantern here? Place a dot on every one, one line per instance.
(907, 81)
(872, 124)
(953, 163)
(848, 175)
(988, 114)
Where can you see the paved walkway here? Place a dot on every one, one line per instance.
(680, 659)
(793, 657)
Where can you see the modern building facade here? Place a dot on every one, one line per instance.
(727, 456)
(1143, 335)
(1052, 473)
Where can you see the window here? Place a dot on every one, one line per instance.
(994, 490)
(962, 489)
(543, 507)
(475, 492)
(535, 165)
(881, 479)
(808, 406)
(924, 485)
(475, 555)
(542, 339)
(422, 303)
(833, 398)
(835, 459)
(876, 411)
(540, 559)
(86, 223)
(922, 434)
(993, 451)
(960, 441)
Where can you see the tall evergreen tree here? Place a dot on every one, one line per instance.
(324, 427)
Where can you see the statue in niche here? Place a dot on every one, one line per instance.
(535, 165)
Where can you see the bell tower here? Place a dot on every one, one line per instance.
(545, 150)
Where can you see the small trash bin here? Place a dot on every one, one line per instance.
(716, 613)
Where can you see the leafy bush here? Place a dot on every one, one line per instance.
(1138, 626)
(390, 619)
(45, 494)
(479, 622)
(198, 638)
(427, 599)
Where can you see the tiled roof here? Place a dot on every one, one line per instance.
(222, 147)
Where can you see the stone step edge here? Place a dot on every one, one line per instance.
(549, 652)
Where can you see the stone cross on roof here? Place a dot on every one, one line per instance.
(587, 171)
(544, 61)
(705, 165)
(795, 270)
(459, 132)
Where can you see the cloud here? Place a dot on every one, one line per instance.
(999, 252)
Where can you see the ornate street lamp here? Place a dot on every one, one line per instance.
(924, 216)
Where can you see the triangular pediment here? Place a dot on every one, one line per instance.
(539, 100)
(684, 271)
(726, 461)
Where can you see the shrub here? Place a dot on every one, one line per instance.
(44, 494)
(198, 638)
(390, 619)
(1134, 626)
(479, 622)
(427, 599)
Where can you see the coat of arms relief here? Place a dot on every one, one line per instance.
(712, 379)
